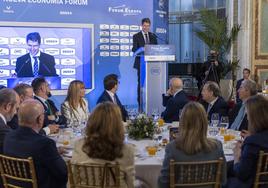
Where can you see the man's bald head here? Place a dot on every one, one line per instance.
(31, 113)
(176, 84)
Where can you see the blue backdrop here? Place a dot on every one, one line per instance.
(114, 24)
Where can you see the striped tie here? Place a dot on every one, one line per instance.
(35, 71)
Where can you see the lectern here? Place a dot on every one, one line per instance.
(153, 75)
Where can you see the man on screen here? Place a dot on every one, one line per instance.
(140, 39)
(35, 63)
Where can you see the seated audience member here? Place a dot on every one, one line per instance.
(104, 142)
(52, 115)
(214, 103)
(9, 102)
(238, 115)
(75, 106)
(24, 91)
(174, 100)
(111, 84)
(192, 143)
(26, 142)
(246, 153)
(246, 74)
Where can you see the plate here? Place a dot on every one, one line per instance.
(68, 154)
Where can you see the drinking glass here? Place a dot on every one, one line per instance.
(215, 118)
(224, 122)
(155, 114)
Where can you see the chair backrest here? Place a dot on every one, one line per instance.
(93, 175)
(17, 171)
(195, 174)
(262, 170)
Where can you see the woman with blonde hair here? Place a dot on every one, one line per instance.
(75, 106)
(246, 152)
(104, 142)
(191, 143)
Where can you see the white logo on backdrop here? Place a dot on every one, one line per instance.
(58, 71)
(124, 27)
(13, 62)
(67, 51)
(51, 41)
(124, 10)
(4, 73)
(52, 51)
(66, 81)
(124, 40)
(114, 27)
(3, 40)
(3, 82)
(17, 40)
(104, 47)
(124, 47)
(68, 71)
(124, 34)
(104, 33)
(124, 54)
(4, 62)
(18, 51)
(114, 54)
(68, 61)
(67, 41)
(134, 27)
(114, 33)
(104, 26)
(114, 47)
(104, 40)
(104, 54)
(57, 61)
(114, 40)
(132, 33)
(4, 51)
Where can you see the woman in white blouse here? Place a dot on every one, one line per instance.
(75, 106)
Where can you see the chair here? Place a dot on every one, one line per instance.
(93, 175)
(194, 174)
(262, 170)
(17, 171)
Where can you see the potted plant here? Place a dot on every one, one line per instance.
(216, 36)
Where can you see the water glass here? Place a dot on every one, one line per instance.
(155, 114)
(215, 118)
(224, 123)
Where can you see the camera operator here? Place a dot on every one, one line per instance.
(212, 68)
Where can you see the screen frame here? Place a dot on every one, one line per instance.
(60, 25)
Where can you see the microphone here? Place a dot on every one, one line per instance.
(26, 62)
(163, 40)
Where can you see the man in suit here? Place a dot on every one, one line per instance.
(213, 102)
(140, 39)
(238, 115)
(26, 142)
(111, 83)
(52, 115)
(35, 63)
(246, 74)
(174, 100)
(9, 102)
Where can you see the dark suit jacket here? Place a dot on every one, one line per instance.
(220, 107)
(232, 115)
(61, 119)
(138, 41)
(106, 97)
(14, 122)
(46, 66)
(4, 129)
(173, 106)
(50, 168)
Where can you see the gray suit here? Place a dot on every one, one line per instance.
(4, 129)
(179, 156)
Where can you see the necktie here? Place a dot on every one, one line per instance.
(146, 38)
(35, 69)
(115, 102)
(49, 112)
(239, 118)
(209, 108)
